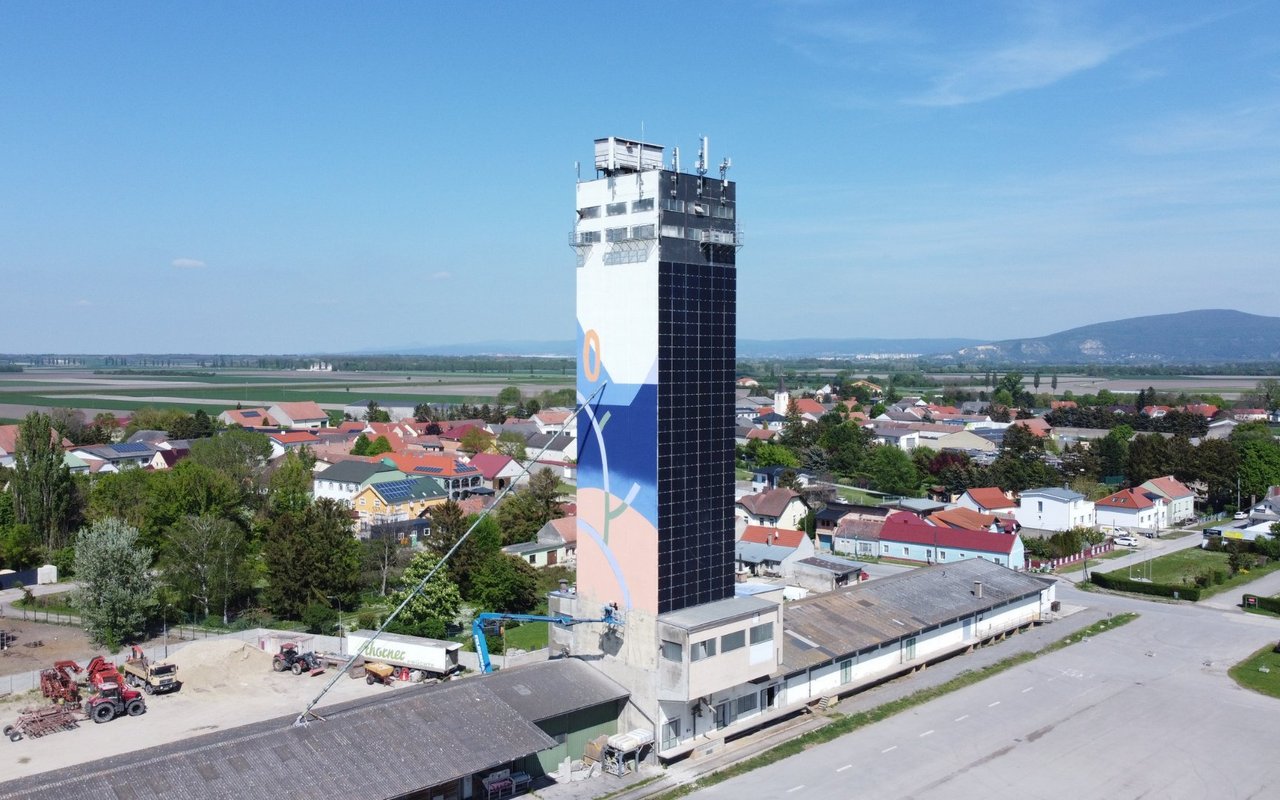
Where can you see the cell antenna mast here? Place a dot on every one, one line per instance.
(702, 157)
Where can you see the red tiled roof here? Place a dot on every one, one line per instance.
(1056, 404)
(567, 527)
(490, 464)
(1126, 499)
(295, 437)
(761, 433)
(990, 497)
(249, 417)
(9, 438)
(553, 416)
(907, 528)
(807, 405)
(1036, 425)
(1205, 410)
(436, 466)
(963, 519)
(1171, 487)
(762, 535)
(769, 503)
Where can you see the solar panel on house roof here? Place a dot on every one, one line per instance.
(131, 447)
(396, 490)
(432, 470)
(250, 414)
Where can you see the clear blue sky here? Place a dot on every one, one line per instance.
(305, 177)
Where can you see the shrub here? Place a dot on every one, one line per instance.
(319, 618)
(1271, 604)
(1202, 580)
(367, 620)
(1219, 577)
(1120, 584)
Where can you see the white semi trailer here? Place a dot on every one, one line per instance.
(432, 657)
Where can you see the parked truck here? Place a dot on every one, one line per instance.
(141, 672)
(431, 658)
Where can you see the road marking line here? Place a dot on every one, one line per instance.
(1029, 688)
(846, 766)
(795, 788)
(993, 705)
(962, 718)
(887, 749)
(926, 733)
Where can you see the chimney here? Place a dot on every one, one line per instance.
(977, 589)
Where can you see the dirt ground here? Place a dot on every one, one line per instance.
(58, 642)
(226, 683)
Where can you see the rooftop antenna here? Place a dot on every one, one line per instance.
(724, 167)
(577, 169)
(675, 169)
(702, 163)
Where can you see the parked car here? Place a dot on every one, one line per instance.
(1127, 541)
(1240, 515)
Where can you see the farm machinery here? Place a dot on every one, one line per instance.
(142, 673)
(107, 698)
(290, 659)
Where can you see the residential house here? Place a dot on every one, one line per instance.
(747, 383)
(344, 480)
(457, 476)
(765, 478)
(284, 441)
(771, 551)
(304, 414)
(1155, 412)
(1036, 425)
(555, 544)
(396, 500)
(904, 438)
(771, 421)
(1206, 410)
(1179, 501)
(833, 512)
(1054, 509)
(988, 500)
(555, 420)
(966, 519)
(1249, 414)
(115, 457)
(906, 536)
(778, 508)
(165, 458)
(559, 447)
(1131, 510)
(247, 418)
(9, 443)
(497, 470)
(857, 536)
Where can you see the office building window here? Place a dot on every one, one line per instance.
(643, 205)
(590, 212)
(615, 234)
(614, 209)
(672, 651)
(762, 633)
(733, 641)
(704, 649)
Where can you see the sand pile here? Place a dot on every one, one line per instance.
(221, 664)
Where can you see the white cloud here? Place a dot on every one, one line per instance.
(188, 263)
(441, 275)
(83, 303)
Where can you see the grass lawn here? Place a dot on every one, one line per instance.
(1119, 552)
(855, 496)
(740, 474)
(1182, 567)
(1177, 534)
(528, 636)
(1249, 673)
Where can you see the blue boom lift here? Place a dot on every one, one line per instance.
(609, 616)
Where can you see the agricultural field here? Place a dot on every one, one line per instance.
(82, 389)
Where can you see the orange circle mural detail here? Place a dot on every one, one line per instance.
(591, 355)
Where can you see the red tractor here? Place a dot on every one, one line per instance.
(290, 659)
(111, 697)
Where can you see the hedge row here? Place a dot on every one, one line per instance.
(1110, 581)
(1271, 604)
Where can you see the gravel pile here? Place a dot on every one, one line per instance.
(222, 664)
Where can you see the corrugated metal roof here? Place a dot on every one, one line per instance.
(827, 626)
(549, 689)
(400, 742)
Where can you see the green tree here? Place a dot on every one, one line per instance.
(383, 560)
(116, 589)
(475, 440)
(1053, 382)
(360, 447)
(374, 413)
(1149, 457)
(430, 610)
(290, 486)
(378, 446)
(1259, 466)
(310, 556)
(189, 489)
(510, 396)
(892, 470)
(768, 454)
(236, 453)
(123, 495)
(41, 482)
(423, 412)
(206, 562)
(19, 545)
(505, 583)
(511, 444)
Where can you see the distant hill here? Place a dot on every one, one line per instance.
(747, 348)
(1189, 337)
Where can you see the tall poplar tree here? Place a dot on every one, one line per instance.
(41, 481)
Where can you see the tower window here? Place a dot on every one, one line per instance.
(614, 209)
(704, 649)
(672, 651)
(590, 212)
(671, 204)
(615, 234)
(643, 205)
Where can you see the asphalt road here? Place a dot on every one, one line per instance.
(1146, 711)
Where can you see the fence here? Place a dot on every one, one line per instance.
(1053, 564)
(26, 681)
